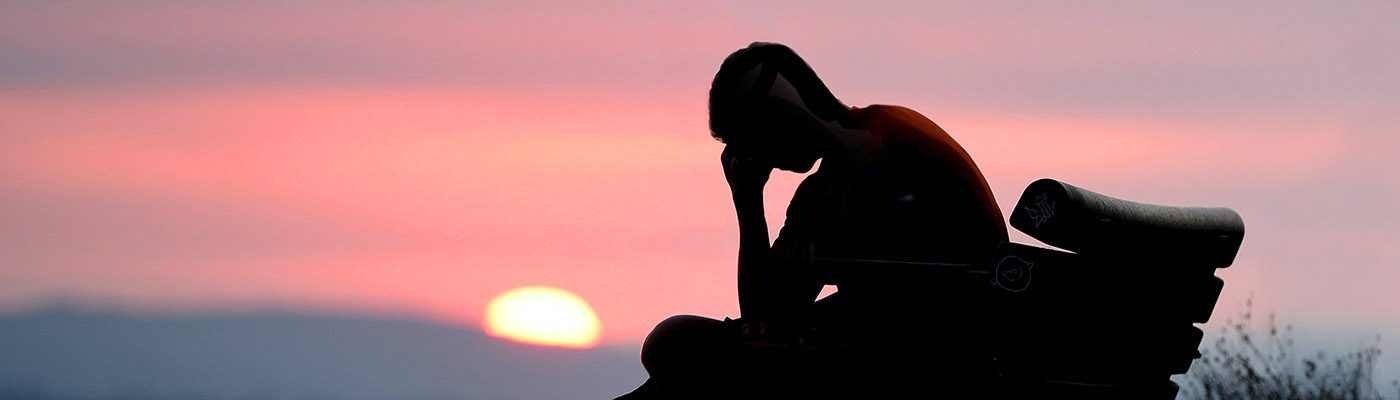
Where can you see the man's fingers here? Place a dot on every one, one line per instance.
(728, 160)
(737, 162)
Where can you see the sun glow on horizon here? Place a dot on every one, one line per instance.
(545, 316)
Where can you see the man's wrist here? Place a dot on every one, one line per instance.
(746, 191)
(748, 201)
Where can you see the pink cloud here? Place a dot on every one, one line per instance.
(426, 156)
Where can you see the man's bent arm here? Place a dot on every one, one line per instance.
(753, 252)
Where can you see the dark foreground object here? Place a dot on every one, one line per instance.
(1113, 320)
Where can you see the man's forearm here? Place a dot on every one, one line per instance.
(753, 226)
(753, 249)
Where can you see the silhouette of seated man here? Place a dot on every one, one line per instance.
(892, 185)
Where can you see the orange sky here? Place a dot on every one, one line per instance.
(423, 157)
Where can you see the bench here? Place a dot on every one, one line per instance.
(1110, 316)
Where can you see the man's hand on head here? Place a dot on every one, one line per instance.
(745, 175)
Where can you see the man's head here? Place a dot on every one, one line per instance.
(768, 104)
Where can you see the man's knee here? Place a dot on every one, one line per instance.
(687, 344)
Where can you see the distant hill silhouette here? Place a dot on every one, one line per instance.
(66, 352)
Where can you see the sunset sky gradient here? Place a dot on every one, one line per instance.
(422, 157)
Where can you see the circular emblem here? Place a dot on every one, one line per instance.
(1013, 274)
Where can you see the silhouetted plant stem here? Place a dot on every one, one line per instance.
(1242, 364)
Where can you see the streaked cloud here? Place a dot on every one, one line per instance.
(428, 155)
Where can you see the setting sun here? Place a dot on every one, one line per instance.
(544, 316)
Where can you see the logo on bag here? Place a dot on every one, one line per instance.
(1013, 274)
(1044, 209)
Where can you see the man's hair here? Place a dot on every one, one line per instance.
(733, 94)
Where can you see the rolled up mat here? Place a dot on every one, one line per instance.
(1093, 224)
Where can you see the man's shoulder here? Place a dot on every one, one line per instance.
(887, 113)
(903, 127)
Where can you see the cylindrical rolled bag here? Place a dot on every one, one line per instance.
(1093, 224)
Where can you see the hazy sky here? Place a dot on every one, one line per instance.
(424, 156)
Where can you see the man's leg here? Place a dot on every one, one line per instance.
(688, 355)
